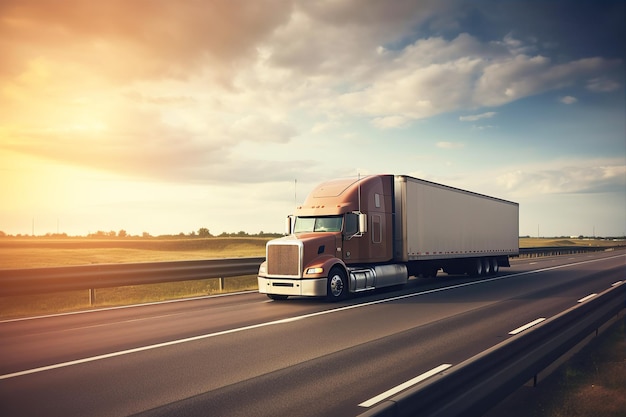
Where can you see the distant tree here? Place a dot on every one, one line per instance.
(204, 232)
(146, 234)
(122, 233)
(242, 233)
(2, 234)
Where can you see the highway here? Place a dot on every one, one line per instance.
(244, 355)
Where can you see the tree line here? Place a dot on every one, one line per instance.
(202, 232)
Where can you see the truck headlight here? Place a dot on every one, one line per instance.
(311, 271)
(263, 268)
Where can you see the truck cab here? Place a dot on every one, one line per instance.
(342, 227)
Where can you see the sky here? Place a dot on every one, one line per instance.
(166, 117)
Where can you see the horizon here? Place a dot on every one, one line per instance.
(243, 234)
(226, 115)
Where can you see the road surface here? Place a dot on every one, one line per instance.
(245, 355)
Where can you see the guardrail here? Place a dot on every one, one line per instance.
(474, 386)
(90, 277)
(560, 250)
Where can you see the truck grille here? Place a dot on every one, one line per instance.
(283, 260)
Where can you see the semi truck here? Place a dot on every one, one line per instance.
(358, 234)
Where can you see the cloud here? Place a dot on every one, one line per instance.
(257, 129)
(450, 145)
(326, 38)
(595, 176)
(390, 122)
(603, 85)
(158, 89)
(475, 117)
(138, 38)
(568, 100)
(434, 76)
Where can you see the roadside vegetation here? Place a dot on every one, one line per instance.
(18, 252)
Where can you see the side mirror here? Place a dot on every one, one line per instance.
(288, 222)
(362, 223)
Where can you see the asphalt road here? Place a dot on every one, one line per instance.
(244, 355)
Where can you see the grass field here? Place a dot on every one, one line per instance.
(44, 252)
(18, 253)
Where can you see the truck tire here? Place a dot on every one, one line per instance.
(337, 285)
(475, 267)
(495, 266)
(486, 267)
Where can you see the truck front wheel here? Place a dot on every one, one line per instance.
(337, 286)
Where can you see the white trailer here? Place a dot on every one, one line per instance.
(457, 230)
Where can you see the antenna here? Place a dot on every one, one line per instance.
(359, 189)
(295, 192)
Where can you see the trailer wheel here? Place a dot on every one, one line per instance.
(337, 285)
(475, 267)
(486, 267)
(277, 297)
(495, 267)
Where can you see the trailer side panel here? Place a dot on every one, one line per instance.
(434, 221)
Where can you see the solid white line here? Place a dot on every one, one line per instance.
(589, 297)
(144, 348)
(286, 320)
(615, 284)
(527, 326)
(404, 386)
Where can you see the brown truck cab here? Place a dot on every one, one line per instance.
(343, 229)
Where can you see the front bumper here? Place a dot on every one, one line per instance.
(305, 287)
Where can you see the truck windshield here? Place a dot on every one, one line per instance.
(318, 224)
